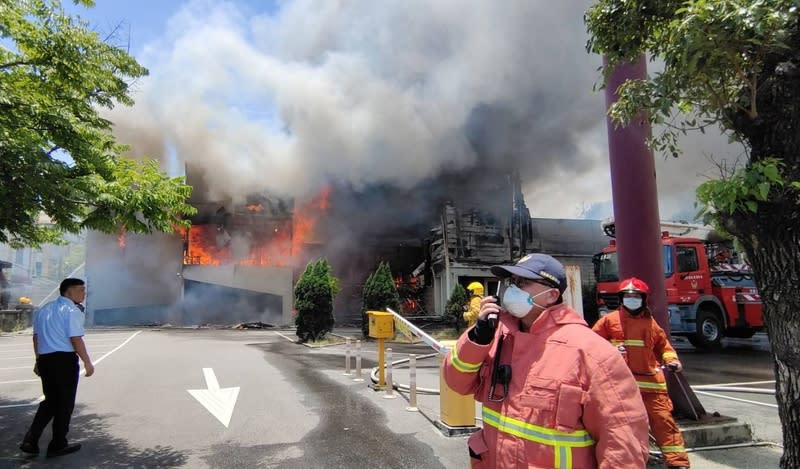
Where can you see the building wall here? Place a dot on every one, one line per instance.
(276, 281)
(572, 242)
(37, 272)
(137, 283)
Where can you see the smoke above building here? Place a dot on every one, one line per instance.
(361, 93)
(397, 107)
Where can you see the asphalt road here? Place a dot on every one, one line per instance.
(136, 410)
(740, 363)
(293, 407)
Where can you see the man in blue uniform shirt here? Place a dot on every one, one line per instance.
(57, 344)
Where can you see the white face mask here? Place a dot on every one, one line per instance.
(632, 304)
(518, 302)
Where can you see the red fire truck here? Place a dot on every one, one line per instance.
(710, 292)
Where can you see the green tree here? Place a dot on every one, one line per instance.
(733, 64)
(313, 299)
(57, 154)
(454, 310)
(379, 293)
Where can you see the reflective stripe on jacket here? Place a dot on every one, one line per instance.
(571, 402)
(646, 345)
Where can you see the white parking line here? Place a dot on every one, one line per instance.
(88, 344)
(15, 368)
(746, 383)
(83, 371)
(91, 340)
(722, 396)
(103, 335)
(286, 337)
(20, 381)
(114, 349)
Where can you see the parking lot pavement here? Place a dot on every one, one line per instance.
(19, 387)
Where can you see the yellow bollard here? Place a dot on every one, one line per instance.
(455, 410)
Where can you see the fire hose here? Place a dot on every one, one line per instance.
(408, 329)
(404, 387)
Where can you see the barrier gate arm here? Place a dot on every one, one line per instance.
(408, 329)
(456, 411)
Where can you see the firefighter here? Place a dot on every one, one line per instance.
(473, 307)
(553, 393)
(632, 328)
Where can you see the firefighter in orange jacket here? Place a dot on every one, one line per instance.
(475, 290)
(647, 348)
(553, 393)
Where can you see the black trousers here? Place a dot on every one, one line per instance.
(59, 374)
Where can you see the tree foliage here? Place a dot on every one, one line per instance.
(727, 63)
(733, 64)
(313, 299)
(380, 292)
(57, 154)
(454, 309)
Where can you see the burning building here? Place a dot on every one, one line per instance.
(237, 262)
(419, 133)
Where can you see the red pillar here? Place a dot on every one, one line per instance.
(635, 198)
(637, 222)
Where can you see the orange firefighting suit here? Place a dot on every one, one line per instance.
(474, 308)
(571, 402)
(647, 348)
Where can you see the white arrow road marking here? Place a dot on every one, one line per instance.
(220, 402)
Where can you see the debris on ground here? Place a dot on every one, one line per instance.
(253, 325)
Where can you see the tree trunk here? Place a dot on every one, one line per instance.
(773, 248)
(771, 236)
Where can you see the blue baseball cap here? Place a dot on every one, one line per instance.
(536, 267)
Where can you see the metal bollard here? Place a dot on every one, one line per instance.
(412, 383)
(358, 362)
(389, 380)
(347, 356)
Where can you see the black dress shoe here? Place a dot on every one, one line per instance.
(51, 453)
(28, 447)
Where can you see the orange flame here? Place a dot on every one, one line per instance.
(121, 239)
(280, 246)
(255, 207)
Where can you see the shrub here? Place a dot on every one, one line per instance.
(379, 293)
(454, 310)
(313, 300)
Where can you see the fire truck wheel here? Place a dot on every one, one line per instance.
(709, 330)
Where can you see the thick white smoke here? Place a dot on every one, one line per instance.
(360, 92)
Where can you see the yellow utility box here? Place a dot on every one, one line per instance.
(381, 325)
(455, 410)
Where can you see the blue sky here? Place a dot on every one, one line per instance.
(146, 20)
